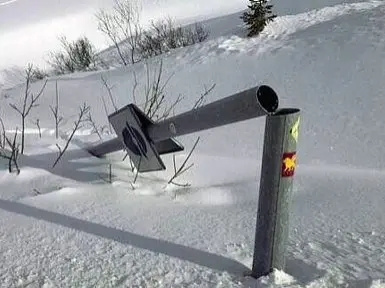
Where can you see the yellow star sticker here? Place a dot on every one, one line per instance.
(294, 130)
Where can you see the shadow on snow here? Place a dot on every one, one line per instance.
(199, 257)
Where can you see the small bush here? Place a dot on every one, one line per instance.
(258, 16)
(38, 74)
(164, 35)
(122, 25)
(79, 55)
(132, 43)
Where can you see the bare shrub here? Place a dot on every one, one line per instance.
(133, 43)
(78, 55)
(39, 74)
(28, 102)
(122, 27)
(154, 91)
(11, 155)
(165, 35)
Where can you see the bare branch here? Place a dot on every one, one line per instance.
(185, 169)
(110, 174)
(14, 153)
(106, 111)
(167, 111)
(28, 97)
(55, 112)
(106, 25)
(93, 124)
(182, 169)
(122, 27)
(134, 87)
(155, 96)
(181, 185)
(57, 145)
(109, 180)
(37, 192)
(164, 35)
(37, 123)
(201, 99)
(17, 109)
(137, 170)
(77, 124)
(147, 89)
(109, 90)
(125, 156)
(78, 55)
(174, 162)
(34, 99)
(2, 142)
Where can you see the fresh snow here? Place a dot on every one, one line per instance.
(69, 227)
(34, 35)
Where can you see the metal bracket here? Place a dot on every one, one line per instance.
(130, 124)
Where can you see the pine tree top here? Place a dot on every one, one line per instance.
(259, 14)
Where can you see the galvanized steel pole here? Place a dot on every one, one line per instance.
(275, 191)
(255, 102)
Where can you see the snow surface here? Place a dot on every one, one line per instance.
(67, 227)
(33, 34)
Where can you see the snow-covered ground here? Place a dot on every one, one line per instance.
(29, 31)
(66, 227)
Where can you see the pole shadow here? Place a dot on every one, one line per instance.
(303, 272)
(72, 165)
(193, 255)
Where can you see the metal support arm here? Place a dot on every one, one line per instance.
(255, 102)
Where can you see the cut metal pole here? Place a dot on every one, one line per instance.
(112, 145)
(255, 102)
(106, 147)
(275, 191)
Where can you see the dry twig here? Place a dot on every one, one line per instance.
(77, 125)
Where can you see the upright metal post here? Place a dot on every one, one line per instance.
(275, 191)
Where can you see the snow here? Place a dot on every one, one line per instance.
(7, 2)
(33, 37)
(69, 227)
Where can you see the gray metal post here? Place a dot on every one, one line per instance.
(255, 102)
(105, 147)
(278, 166)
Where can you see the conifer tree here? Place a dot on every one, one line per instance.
(256, 18)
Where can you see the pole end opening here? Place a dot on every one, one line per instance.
(267, 98)
(286, 111)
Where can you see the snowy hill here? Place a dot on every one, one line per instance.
(65, 227)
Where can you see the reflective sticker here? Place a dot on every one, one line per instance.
(294, 130)
(288, 164)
